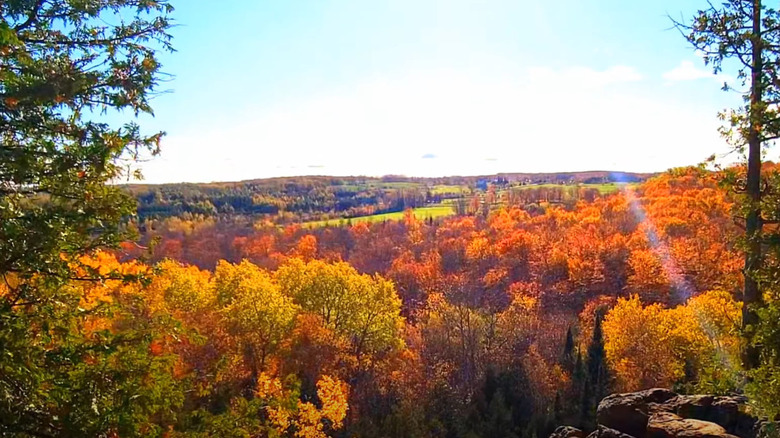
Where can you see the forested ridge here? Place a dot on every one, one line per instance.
(301, 199)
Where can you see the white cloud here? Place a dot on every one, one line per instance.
(539, 119)
(687, 71)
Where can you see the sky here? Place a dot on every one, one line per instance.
(264, 88)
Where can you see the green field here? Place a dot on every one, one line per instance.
(443, 189)
(608, 188)
(604, 189)
(420, 213)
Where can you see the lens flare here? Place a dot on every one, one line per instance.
(681, 288)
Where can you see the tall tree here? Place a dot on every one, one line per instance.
(364, 309)
(746, 33)
(255, 312)
(597, 374)
(62, 64)
(567, 360)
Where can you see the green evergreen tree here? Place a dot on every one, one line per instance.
(579, 387)
(63, 64)
(596, 377)
(745, 35)
(559, 412)
(498, 419)
(567, 359)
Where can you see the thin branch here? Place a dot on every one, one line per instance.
(92, 43)
(33, 17)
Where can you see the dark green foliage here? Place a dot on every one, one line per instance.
(744, 35)
(596, 382)
(579, 383)
(491, 414)
(305, 198)
(498, 419)
(764, 386)
(241, 417)
(62, 66)
(504, 408)
(570, 407)
(58, 380)
(597, 363)
(568, 357)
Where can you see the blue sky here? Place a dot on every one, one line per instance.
(431, 87)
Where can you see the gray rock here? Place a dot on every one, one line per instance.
(660, 413)
(567, 432)
(605, 432)
(669, 425)
(722, 410)
(629, 413)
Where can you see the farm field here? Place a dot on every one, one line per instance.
(433, 211)
(446, 207)
(604, 188)
(444, 189)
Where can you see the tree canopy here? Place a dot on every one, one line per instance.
(66, 371)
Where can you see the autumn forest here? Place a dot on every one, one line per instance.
(502, 305)
(516, 321)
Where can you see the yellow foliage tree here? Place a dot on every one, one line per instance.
(254, 310)
(632, 334)
(365, 309)
(700, 335)
(306, 420)
(182, 289)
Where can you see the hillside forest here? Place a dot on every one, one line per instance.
(316, 201)
(274, 308)
(520, 319)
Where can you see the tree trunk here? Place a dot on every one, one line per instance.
(752, 295)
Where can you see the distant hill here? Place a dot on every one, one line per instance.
(584, 177)
(587, 177)
(304, 198)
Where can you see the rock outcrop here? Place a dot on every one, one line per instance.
(660, 413)
(567, 432)
(669, 425)
(605, 432)
(629, 413)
